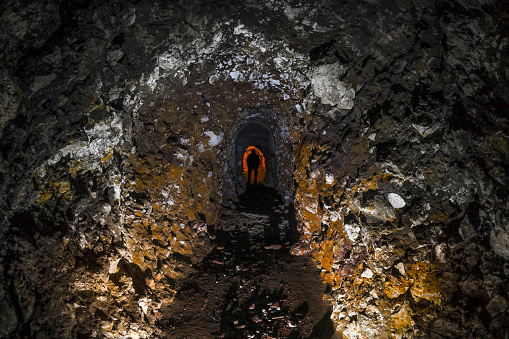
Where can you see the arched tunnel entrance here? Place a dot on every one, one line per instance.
(264, 128)
(267, 214)
(263, 209)
(256, 136)
(252, 285)
(258, 167)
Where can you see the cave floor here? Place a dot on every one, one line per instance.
(249, 285)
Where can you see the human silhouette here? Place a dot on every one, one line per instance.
(253, 161)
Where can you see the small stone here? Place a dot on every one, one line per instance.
(42, 81)
(7, 318)
(326, 85)
(496, 305)
(113, 266)
(368, 274)
(440, 252)
(213, 79)
(500, 242)
(466, 230)
(329, 179)
(506, 269)
(469, 287)
(396, 201)
(401, 268)
(114, 56)
(499, 321)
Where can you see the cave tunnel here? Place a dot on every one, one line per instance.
(384, 127)
(261, 170)
(256, 135)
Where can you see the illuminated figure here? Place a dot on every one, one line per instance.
(253, 162)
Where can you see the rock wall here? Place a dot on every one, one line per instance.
(390, 124)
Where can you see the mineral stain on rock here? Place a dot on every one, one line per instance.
(124, 212)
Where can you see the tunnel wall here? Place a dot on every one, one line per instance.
(118, 119)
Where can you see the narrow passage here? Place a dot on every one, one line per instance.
(250, 286)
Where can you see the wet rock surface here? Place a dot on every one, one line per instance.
(119, 124)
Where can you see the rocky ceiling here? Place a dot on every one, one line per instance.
(388, 126)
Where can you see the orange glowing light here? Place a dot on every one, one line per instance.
(261, 168)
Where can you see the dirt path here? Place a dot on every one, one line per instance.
(250, 286)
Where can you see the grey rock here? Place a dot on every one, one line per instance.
(501, 321)
(26, 297)
(470, 286)
(115, 56)
(42, 81)
(447, 328)
(500, 242)
(381, 96)
(496, 305)
(7, 318)
(10, 98)
(466, 230)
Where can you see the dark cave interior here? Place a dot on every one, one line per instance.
(383, 211)
(261, 170)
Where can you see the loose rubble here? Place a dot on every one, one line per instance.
(388, 151)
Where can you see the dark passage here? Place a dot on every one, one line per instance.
(250, 286)
(279, 224)
(253, 162)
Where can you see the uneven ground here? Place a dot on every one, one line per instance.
(250, 286)
(385, 125)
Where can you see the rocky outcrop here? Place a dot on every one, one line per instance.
(118, 132)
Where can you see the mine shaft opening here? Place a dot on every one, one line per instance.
(253, 166)
(256, 137)
(267, 218)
